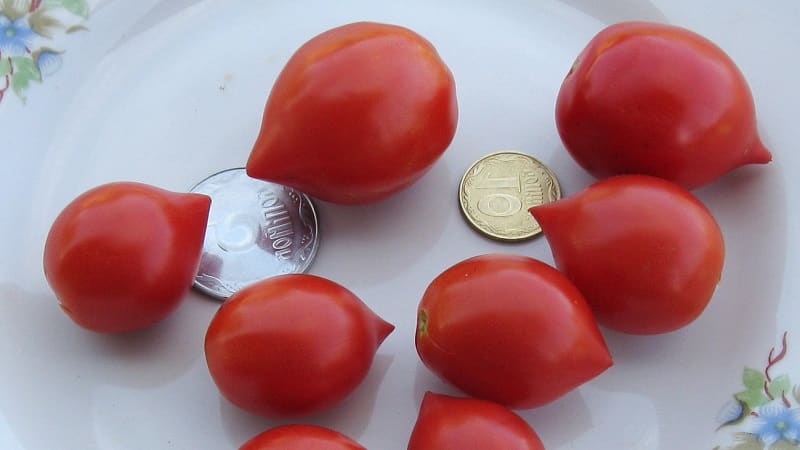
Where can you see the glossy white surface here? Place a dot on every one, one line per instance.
(168, 92)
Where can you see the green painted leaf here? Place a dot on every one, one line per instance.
(796, 392)
(743, 414)
(784, 444)
(753, 398)
(5, 67)
(747, 441)
(77, 7)
(753, 379)
(42, 24)
(780, 386)
(23, 65)
(76, 28)
(14, 9)
(25, 70)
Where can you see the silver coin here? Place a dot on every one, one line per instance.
(255, 230)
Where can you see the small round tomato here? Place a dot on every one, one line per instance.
(646, 254)
(292, 345)
(121, 256)
(358, 113)
(656, 99)
(447, 422)
(301, 437)
(509, 329)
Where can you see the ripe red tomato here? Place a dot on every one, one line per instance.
(291, 345)
(121, 256)
(451, 423)
(301, 437)
(646, 254)
(659, 100)
(509, 329)
(358, 113)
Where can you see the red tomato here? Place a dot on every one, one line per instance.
(121, 256)
(646, 254)
(509, 329)
(358, 113)
(301, 437)
(451, 423)
(292, 345)
(660, 100)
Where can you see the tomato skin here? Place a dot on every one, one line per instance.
(358, 113)
(646, 253)
(121, 256)
(656, 99)
(292, 345)
(509, 329)
(452, 423)
(301, 437)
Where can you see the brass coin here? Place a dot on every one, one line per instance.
(497, 191)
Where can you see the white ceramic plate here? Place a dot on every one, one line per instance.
(168, 92)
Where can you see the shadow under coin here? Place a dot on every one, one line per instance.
(351, 417)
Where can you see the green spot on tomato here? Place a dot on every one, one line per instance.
(422, 322)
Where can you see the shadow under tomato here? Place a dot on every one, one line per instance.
(611, 11)
(571, 177)
(55, 372)
(368, 244)
(351, 417)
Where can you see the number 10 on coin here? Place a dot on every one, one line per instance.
(497, 191)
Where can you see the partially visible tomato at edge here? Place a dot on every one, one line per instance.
(509, 329)
(122, 255)
(358, 113)
(446, 422)
(301, 437)
(657, 99)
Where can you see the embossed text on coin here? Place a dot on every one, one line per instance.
(498, 189)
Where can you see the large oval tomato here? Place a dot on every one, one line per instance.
(358, 113)
(291, 345)
(447, 422)
(660, 100)
(646, 254)
(122, 255)
(301, 437)
(509, 329)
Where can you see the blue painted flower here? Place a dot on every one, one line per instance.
(775, 422)
(48, 62)
(15, 36)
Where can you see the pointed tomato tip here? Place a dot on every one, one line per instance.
(607, 361)
(262, 163)
(432, 400)
(759, 154)
(543, 214)
(197, 204)
(382, 329)
(253, 169)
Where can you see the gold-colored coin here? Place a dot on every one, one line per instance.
(497, 191)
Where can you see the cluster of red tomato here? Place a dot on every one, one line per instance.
(508, 330)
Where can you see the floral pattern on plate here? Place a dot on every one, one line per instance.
(26, 26)
(766, 414)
